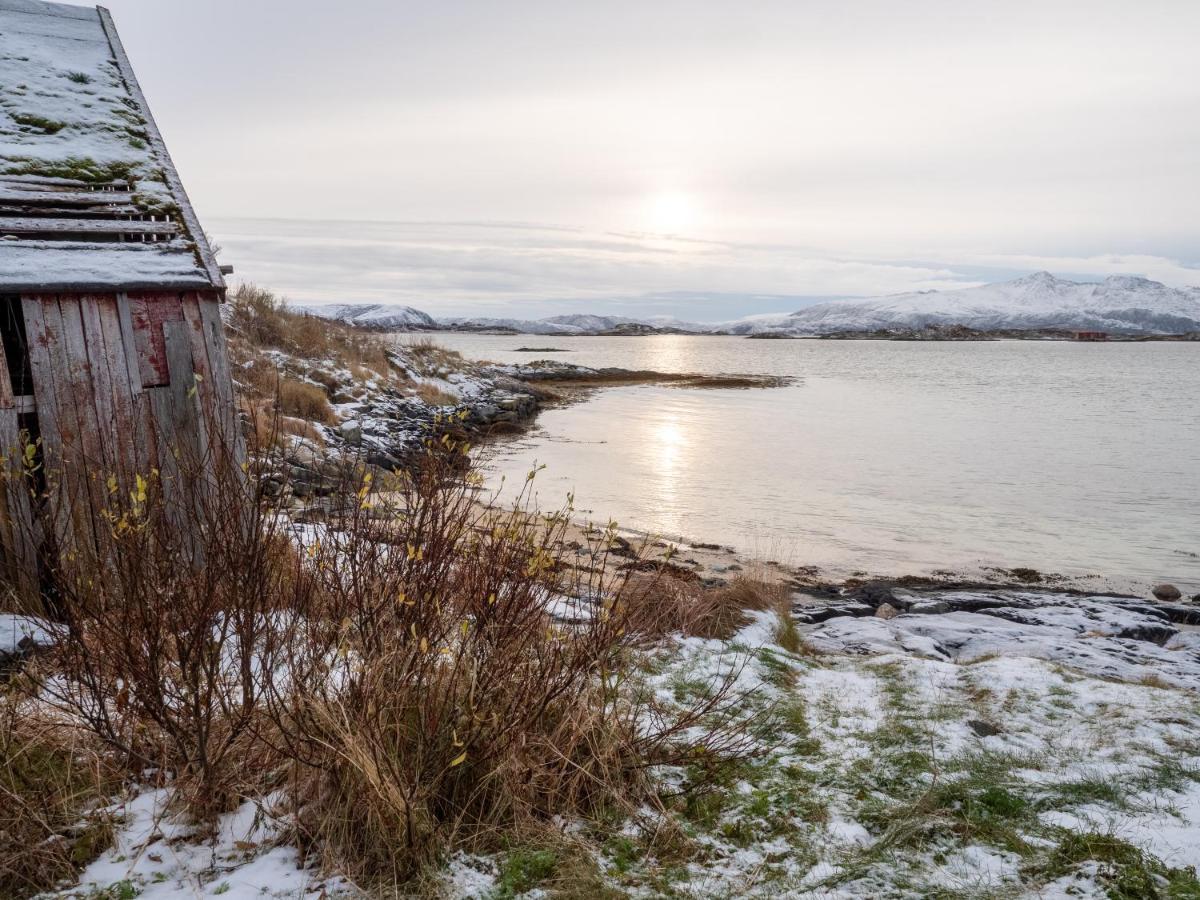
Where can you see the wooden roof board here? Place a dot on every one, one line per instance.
(37, 225)
(39, 8)
(73, 71)
(35, 267)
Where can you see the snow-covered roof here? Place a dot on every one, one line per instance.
(89, 197)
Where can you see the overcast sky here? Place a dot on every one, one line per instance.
(793, 149)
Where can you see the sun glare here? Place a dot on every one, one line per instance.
(670, 212)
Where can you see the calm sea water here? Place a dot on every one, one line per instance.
(887, 457)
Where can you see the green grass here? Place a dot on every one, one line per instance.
(79, 168)
(39, 124)
(1127, 872)
(80, 77)
(523, 870)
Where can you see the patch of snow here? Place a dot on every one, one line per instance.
(163, 857)
(18, 632)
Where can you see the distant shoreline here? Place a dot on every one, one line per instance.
(953, 334)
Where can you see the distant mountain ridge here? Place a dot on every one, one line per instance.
(1120, 304)
(570, 324)
(378, 316)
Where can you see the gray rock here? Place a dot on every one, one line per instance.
(930, 607)
(886, 611)
(1167, 593)
(982, 728)
(812, 614)
(874, 592)
(352, 432)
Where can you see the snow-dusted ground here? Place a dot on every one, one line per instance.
(931, 754)
(157, 857)
(898, 768)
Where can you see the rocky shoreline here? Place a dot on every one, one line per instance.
(379, 426)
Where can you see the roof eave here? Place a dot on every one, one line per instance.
(190, 221)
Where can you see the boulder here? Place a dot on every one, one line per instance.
(874, 593)
(352, 432)
(1167, 593)
(886, 611)
(930, 607)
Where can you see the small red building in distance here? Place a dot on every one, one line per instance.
(113, 361)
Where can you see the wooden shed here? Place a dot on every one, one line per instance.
(113, 358)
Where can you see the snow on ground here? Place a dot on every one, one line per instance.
(156, 857)
(884, 770)
(19, 632)
(1092, 634)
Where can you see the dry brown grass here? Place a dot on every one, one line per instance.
(301, 400)
(665, 605)
(260, 322)
(301, 428)
(435, 396)
(53, 782)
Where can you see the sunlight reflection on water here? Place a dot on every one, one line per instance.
(898, 457)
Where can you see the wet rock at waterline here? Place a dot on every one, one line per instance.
(1111, 637)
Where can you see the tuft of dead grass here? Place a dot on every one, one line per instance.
(259, 324)
(665, 605)
(54, 781)
(305, 401)
(433, 395)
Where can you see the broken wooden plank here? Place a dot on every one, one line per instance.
(102, 388)
(42, 336)
(129, 342)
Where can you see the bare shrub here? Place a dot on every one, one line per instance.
(422, 671)
(443, 699)
(166, 630)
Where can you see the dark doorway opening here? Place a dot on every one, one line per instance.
(16, 345)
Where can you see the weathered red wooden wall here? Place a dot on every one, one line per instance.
(124, 384)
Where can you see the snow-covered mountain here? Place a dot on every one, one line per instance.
(381, 316)
(1120, 304)
(572, 324)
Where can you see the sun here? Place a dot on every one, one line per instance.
(670, 212)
